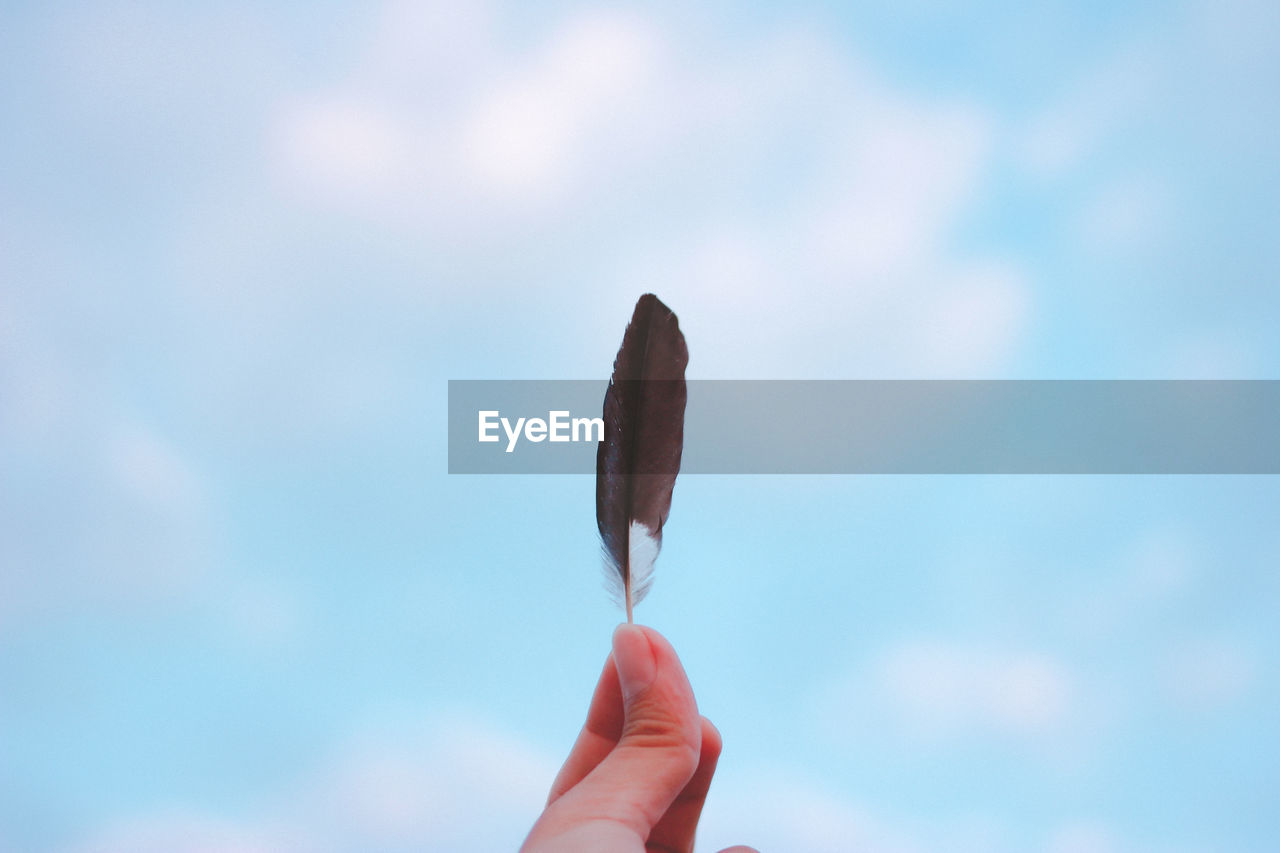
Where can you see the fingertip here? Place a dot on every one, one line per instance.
(663, 652)
(628, 628)
(654, 636)
(712, 742)
(633, 656)
(650, 671)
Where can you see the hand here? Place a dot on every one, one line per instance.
(638, 774)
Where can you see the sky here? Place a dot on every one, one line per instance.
(243, 248)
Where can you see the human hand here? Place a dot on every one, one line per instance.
(638, 774)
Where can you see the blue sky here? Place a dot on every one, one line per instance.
(242, 249)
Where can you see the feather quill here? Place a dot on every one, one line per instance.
(637, 462)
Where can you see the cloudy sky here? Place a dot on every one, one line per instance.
(242, 250)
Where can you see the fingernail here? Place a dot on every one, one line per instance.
(633, 656)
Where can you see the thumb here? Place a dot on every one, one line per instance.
(657, 752)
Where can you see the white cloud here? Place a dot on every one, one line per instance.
(458, 785)
(454, 783)
(530, 132)
(149, 468)
(778, 811)
(926, 692)
(849, 269)
(183, 832)
(342, 148)
(116, 518)
(449, 784)
(430, 49)
(411, 136)
(771, 811)
(781, 809)
(1149, 574)
(853, 274)
(1127, 216)
(1160, 563)
(99, 504)
(1209, 674)
(1083, 837)
(970, 325)
(259, 613)
(1066, 134)
(947, 689)
(895, 181)
(147, 524)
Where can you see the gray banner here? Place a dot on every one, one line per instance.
(890, 427)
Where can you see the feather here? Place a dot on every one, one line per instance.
(636, 464)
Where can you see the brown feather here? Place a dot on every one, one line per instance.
(637, 462)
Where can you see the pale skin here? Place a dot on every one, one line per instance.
(638, 774)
